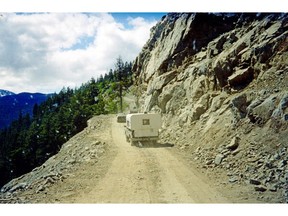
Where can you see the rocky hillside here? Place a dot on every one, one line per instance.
(221, 83)
(84, 148)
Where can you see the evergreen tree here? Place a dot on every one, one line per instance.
(120, 73)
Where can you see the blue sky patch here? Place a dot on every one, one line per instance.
(83, 43)
(123, 17)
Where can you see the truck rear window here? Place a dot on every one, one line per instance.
(146, 122)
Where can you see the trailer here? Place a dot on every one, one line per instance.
(141, 128)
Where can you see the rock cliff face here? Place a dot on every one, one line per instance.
(221, 83)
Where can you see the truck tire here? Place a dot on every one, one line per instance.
(133, 143)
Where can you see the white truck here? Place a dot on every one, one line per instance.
(142, 127)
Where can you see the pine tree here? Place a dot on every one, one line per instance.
(120, 72)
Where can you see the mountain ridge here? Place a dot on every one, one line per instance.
(5, 93)
(12, 105)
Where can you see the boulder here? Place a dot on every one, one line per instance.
(264, 111)
(19, 186)
(218, 159)
(40, 188)
(281, 108)
(250, 108)
(285, 118)
(233, 179)
(260, 188)
(272, 188)
(175, 100)
(254, 182)
(233, 145)
(151, 100)
(239, 105)
(284, 102)
(195, 88)
(241, 78)
(217, 101)
(161, 81)
(201, 107)
(171, 98)
(96, 142)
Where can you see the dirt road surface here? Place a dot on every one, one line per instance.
(147, 175)
(128, 174)
(141, 175)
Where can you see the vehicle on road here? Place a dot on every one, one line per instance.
(141, 128)
(121, 118)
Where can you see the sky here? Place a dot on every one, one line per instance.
(44, 52)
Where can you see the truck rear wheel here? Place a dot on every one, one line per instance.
(133, 143)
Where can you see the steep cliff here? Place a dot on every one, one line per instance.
(220, 81)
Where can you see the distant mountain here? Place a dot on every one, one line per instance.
(12, 104)
(5, 93)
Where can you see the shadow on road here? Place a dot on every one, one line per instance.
(155, 145)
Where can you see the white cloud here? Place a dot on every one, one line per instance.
(44, 52)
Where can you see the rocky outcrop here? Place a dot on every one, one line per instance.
(212, 48)
(172, 41)
(215, 77)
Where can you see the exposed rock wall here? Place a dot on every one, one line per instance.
(210, 52)
(215, 77)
